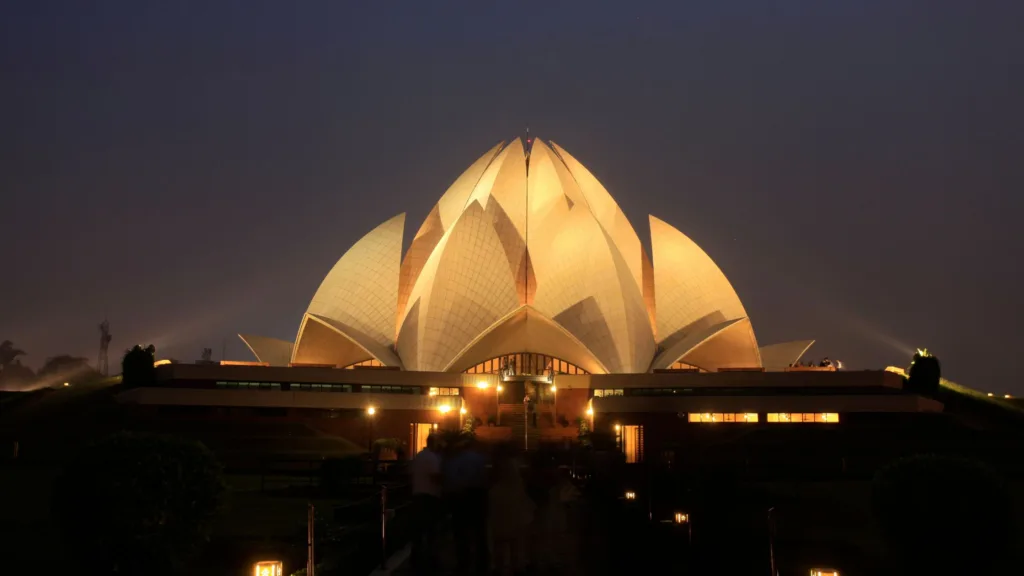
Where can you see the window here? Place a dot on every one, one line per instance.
(798, 417)
(389, 389)
(322, 387)
(525, 363)
(249, 385)
(606, 392)
(443, 391)
(735, 417)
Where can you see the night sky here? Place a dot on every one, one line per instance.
(193, 169)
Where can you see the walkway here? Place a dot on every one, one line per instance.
(597, 541)
(567, 548)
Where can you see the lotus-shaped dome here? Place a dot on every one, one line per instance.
(526, 252)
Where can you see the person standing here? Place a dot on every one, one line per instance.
(511, 512)
(466, 486)
(426, 494)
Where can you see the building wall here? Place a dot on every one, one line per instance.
(764, 404)
(178, 373)
(571, 403)
(737, 379)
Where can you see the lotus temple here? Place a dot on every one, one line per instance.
(527, 305)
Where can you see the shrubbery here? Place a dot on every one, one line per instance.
(943, 515)
(137, 504)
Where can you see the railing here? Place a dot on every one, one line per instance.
(380, 510)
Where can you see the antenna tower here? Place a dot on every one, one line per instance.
(102, 364)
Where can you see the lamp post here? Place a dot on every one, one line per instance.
(370, 411)
(497, 402)
(443, 409)
(554, 403)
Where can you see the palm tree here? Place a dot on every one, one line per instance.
(8, 353)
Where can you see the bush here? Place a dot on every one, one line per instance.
(336, 472)
(137, 504)
(943, 515)
(582, 427)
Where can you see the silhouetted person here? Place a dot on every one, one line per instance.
(427, 507)
(531, 410)
(511, 512)
(550, 491)
(466, 484)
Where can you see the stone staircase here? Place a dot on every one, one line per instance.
(515, 417)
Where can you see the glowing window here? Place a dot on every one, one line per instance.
(803, 417)
(733, 417)
(525, 363)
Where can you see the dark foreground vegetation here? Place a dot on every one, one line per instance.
(179, 496)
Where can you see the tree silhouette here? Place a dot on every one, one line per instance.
(8, 354)
(924, 373)
(137, 366)
(138, 504)
(63, 368)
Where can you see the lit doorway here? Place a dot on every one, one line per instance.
(420, 432)
(633, 443)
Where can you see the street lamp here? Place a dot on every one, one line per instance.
(370, 411)
(444, 409)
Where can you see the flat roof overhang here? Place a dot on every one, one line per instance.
(160, 396)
